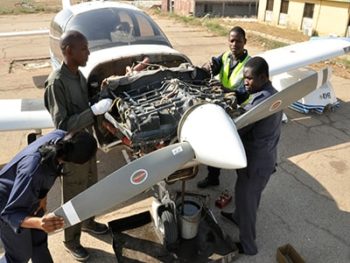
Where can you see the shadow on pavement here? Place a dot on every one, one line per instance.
(135, 238)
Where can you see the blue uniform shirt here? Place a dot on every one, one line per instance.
(260, 139)
(24, 181)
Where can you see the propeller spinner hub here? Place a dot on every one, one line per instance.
(213, 136)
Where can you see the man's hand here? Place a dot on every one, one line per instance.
(47, 223)
(50, 222)
(101, 107)
(104, 83)
(208, 66)
(128, 71)
(139, 67)
(42, 205)
(215, 83)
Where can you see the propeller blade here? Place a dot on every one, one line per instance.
(125, 183)
(284, 98)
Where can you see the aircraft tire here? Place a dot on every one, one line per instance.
(170, 228)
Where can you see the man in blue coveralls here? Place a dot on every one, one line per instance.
(260, 140)
(24, 184)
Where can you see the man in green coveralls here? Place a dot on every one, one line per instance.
(67, 100)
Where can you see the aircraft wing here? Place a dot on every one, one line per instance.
(24, 114)
(298, 55)
(17, 114)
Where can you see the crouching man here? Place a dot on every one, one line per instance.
(24, 184)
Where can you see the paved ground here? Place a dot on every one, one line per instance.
(306, 203)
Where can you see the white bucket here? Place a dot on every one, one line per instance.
(189, 220)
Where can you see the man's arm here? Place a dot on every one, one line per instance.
(56, 104)
(214, 65)
(22, 197)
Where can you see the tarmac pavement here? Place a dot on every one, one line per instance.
(306, 203)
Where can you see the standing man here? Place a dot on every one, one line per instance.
(260, 141)
(24, 184)
(229, 68)
(67, 100)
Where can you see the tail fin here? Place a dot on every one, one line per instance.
(65, 4)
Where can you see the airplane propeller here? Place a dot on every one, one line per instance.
(125, 183)
(206, 132)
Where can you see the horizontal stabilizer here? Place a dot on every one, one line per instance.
(125, 183)
(25, 114)
(66, 4)
(283, 98)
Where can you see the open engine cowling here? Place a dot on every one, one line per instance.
(149, 105)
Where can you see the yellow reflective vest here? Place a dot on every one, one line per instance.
(233, 81)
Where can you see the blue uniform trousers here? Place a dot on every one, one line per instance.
(248, 190)
(28, 244)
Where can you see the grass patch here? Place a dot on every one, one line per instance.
(12, 7)
(343, 61)
(265, 42)
(218, 27)
(188, 20)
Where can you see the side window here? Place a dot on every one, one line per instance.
(55, 34)
(146, 29)
(55, 30)
(126, 23)
(124, 17)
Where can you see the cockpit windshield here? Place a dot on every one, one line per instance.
(117, 27)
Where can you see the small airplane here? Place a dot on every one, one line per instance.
(167, 132)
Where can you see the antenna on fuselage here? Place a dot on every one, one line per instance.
(65, 4)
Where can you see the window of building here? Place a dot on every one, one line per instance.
(208, 8)
(284, 6)
(309, 10)
(269, 5)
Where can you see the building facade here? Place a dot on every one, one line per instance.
(314, 18)
(199, 8)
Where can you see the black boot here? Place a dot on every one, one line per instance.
(208, 181)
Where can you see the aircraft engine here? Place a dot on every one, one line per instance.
(148, 106)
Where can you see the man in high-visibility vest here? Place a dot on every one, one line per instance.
(228, 67)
